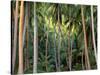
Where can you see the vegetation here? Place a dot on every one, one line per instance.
(52, 37)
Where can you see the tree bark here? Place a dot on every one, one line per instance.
(15, 37)
(26, 31)
(69, 50)
(55, 47)
(59, 39)
(70, 55)
(85, 42)
(93, 35)
(20, 71)
(46, 51)
(35, 42)
(82, 61)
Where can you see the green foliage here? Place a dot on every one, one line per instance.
(70, 21)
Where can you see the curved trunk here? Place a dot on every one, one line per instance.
(93, 35)
(15, 38)
(20, 71)
(85, 42)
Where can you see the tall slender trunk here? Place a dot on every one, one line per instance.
(46, 54)
(24, 34)
(93, 35)
(82, 61)
(35, 42)
(69, 50)
(27, 36)
(20, 71)
(55, 51)
(70, 55)
(67, 59)
(59, 39)
(46, 51)
(26, 31)
(15, 38)
(85, 42)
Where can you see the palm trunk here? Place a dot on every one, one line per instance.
(93, 35)
(27, 37)
(46, 52)
(69, 50)
(59, 39)
(20, 71)
(55, 47)
(82, 61)
(35, 42)
(15, 38)
(85, 42)
(67, 59)
(26, 30)
(71, 56)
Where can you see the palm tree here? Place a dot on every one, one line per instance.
(55, 11)
(35, 42)
(26, 31)
(20, 71)
(55, 46)
(93, 35)
(46, 51)
(85, 40)
(15, 38)
(59, 38)
(69, 50)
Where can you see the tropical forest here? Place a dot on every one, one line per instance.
(52, 37)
